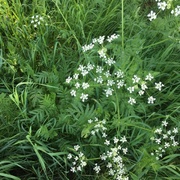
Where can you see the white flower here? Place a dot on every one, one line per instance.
(165, 136)
(109, 165)
(135, 79)
(169, 132)
(112, 37)
(87, 47)
(81, 68)
(115, 140)
(99, 69)
(164, 123)
(83, 163)
(90, 66)
(73, 169)
(102, 53)
(111, 172)
(131, 101)
(110, 82)
(108, 92)
(69, 156)
(125, 150)
(84, 97)
(41, 18)
(103, 121)
(81, 154)
(119, 74)
(96, 119)
(158, 131)
(84, 72)
(123, 139)
(110, 61)
(172, 137)
(149, 77)
(107, 142)
(175, 130)
(130, 89)
(151, 100)
(120, 83)
(166, 145)
(68, 80)
(158, 141)
(176, 11)
(94, 40)
(90, 121)
(77, 85)
(152, 15)
(75, 76)
(79, 168)
(99, 79)
(143, 87)
(100, 40)
(159, 86)
(76, 147)
(73, 93)
(103, 157)
(97, 168)
(175, 143)
(85, 85)
(107, 74)
(104, 135)
(141, 92)
(162, 5)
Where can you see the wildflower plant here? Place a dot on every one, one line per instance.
(39, 20)
(106, 76)
(166, 5)
(165, 140)
(85, 92)
(113, 152)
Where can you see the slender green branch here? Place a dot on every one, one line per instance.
(67, 24)
(122, 26)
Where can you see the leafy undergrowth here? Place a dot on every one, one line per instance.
(89, 89)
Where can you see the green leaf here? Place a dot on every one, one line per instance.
(9, 176)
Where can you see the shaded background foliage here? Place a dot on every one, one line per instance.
(39, 119)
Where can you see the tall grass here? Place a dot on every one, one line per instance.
(41, 123)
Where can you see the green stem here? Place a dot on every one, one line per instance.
(67, 23)
(146, 47)
(122, 26)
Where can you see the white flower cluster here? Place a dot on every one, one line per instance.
(165, 139)
(162, 5)
(176, 11)
(108, 78)
(100, 40)
(79, 159)
(98, 126)
(113, 159)
(141, 86)
(37, 20)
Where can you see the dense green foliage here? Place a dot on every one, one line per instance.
(41, 123)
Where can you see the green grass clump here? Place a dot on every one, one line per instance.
(89, 89)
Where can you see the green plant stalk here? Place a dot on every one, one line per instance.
(67, 24)
(151, 45)
(122, 26)
(118, 109)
